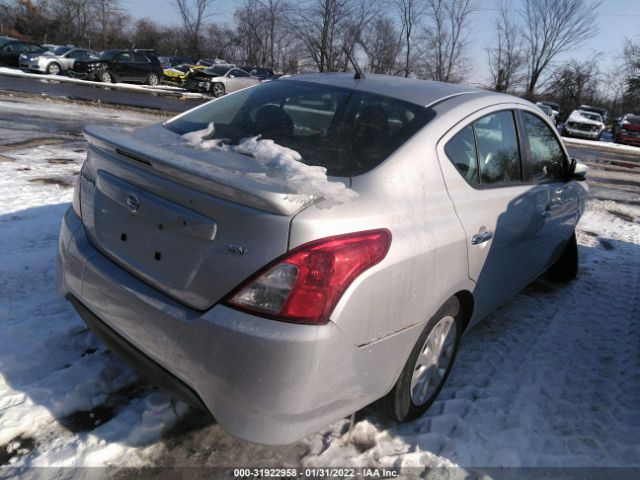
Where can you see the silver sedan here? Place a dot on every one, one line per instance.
(286, 255)
(53, 62)
(220, 80)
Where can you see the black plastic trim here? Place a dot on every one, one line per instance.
(137, 360)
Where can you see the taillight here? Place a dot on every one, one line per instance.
(305, 285)
(77, 207)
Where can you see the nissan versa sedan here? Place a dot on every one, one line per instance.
(213, 254)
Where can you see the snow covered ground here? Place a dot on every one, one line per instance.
(550, 379)
(602, 144)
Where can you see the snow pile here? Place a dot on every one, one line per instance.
(281, 163)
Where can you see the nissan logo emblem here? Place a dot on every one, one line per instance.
(133, 203)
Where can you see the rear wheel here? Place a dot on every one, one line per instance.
(217, 89)
(566, 267)
(53, 69)
(153, 79)
(106, 77)
(428, 366)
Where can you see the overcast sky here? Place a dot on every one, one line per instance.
(617, 19)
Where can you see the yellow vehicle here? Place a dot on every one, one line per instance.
(178, 75)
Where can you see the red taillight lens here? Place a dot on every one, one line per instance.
(305, 285)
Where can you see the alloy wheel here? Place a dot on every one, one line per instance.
(434, 360)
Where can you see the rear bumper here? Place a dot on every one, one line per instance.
(264, 381)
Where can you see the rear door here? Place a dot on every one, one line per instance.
(123, 67)
(141, 67)
(493, 203)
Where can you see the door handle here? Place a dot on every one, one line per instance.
(479, 238)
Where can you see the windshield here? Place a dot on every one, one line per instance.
(591, 116)
(346, 131)
(635, 119)
(217, 71)
(60, 50)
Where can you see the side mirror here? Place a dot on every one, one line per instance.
(232, 76)
(577, 170)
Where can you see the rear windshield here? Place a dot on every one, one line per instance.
(346, 131)
(635, 119)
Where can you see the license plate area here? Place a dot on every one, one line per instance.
(160, 241)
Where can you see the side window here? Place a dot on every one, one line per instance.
(140, 58)
(498, 152)
(461, 150)
(124, 58)
(20, 47)
(241, 73)
(546, 158)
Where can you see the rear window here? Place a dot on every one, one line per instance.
(635, 119)
(346, 131)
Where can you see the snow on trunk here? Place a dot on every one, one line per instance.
(282, 164)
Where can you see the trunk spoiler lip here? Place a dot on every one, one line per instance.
(198, 174)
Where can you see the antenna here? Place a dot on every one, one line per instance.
(359, 73)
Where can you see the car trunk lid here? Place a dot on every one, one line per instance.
(191, 223)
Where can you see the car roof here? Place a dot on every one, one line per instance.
(413, 90)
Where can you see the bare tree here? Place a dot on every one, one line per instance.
(382, 44)
(193, 14)
(631, 76)
(322, 26)
(553, 27)
(446, 39)
(574, 83)
(411, 13)
(506, 60)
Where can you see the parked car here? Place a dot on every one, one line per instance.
(108, 66)
(259, 72)
(219, 80)
(281, 301)
(549, 112)
(11, 49)
(54, 61)
(555, 106)
(584, 124)
(178, 75)
(601, 111)
(629, 130)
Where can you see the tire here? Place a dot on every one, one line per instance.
(565, 268)
(106, 77)
(217, 89)
(153, 79)
(404, 403)
(53, 69)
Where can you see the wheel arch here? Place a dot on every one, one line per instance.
(466, 304)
